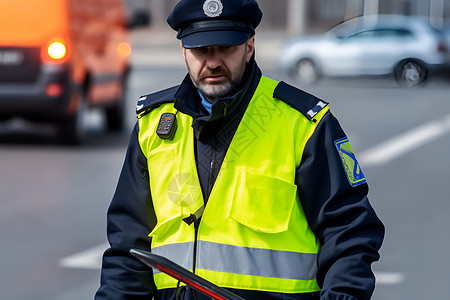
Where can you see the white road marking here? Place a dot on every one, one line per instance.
(389, 277)
(404, 143)
(87, 259)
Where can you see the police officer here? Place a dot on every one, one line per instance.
(248, 182)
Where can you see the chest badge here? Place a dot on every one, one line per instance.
(212, 8)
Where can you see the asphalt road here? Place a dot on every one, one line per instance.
(53, 199)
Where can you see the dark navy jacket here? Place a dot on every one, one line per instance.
(340, 215)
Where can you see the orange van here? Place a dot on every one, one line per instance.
(58, 57)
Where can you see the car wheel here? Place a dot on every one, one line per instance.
(306, 71)
(73, 129)
(410, 73)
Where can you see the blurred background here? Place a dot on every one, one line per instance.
(387, 81)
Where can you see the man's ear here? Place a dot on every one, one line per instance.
(250, 49)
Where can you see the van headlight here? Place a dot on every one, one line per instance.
(57, 50)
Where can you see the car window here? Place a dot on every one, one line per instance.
(385, 34)
(393, 33)
(363, 35)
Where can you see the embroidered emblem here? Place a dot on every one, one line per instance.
(212, 8)
(351, 166)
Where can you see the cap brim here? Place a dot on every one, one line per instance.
(215, 38)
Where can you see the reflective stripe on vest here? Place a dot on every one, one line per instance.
(244, 260)
(253, 233)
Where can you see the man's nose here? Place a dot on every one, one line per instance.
(213, 59)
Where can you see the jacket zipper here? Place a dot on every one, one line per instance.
(196, 225)
(196, 222)
(210, 186)
(212, 168)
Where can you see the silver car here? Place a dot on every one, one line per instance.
(407, 47)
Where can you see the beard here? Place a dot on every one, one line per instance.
(218, 89)
(229, 86)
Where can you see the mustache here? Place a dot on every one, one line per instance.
(213, 72)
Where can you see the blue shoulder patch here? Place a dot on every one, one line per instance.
(305, 103)
(148, 102)
(351, 166)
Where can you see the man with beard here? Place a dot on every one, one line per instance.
(248, 182)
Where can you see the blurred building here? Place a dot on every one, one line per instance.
(305, 16)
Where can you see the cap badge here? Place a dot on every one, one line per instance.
(212, 8)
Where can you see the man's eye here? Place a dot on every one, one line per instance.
(199, 51)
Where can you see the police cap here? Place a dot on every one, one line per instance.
(202, 23)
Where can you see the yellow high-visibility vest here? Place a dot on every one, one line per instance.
(253, 232)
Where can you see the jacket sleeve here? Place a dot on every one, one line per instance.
(130, 219)
(341, 217)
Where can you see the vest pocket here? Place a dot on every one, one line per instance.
(263, 203)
